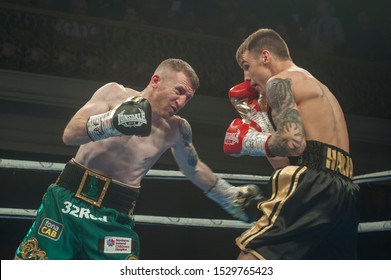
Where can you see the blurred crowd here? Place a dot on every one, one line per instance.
(351, 28)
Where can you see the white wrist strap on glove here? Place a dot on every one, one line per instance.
(262, 119)
(230, 198)
(101, 126)
(254, 143)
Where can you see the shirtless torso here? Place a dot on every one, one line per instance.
(320, 112)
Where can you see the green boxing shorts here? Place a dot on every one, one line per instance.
(67, 227)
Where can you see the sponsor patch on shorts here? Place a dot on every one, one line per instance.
(117, 245)
(50, 229)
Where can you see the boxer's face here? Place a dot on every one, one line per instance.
(180, 91)
(173, 91)
(256, 70)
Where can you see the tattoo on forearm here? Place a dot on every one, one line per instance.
(290, 131)
(186, 133)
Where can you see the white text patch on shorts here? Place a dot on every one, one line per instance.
(116, 245)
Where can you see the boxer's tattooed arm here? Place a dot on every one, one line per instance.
(289, 137)
(186, 133)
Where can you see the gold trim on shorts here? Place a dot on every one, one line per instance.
(288, 179)
(80, 195)
(30, 250)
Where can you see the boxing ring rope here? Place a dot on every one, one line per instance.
(12, 213)
(152, 174)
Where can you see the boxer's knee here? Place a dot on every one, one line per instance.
(246, 256)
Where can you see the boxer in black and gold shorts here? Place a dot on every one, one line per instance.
(76, 215)
(312, 212)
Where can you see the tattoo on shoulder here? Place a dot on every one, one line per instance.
(290, 130)
(186, 133)
(279, 93)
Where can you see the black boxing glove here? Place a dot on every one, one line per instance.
(132, 117)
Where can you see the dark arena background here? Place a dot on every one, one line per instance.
(55, 54)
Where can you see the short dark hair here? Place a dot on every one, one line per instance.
(261, 39)
(180, 65)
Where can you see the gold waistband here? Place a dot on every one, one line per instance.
(320, 155)
(340, 162)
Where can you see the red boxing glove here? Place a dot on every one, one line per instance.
(233, 139)
(244, 98)
(240, 136)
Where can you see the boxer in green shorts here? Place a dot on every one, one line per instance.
(121, 134)
(107, 233)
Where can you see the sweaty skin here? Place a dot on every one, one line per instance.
(302, 107)
(128, 159)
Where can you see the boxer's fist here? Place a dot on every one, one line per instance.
(132, 117)
(244, 98)
(244, 138)
(233, 139)
(241, 202)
